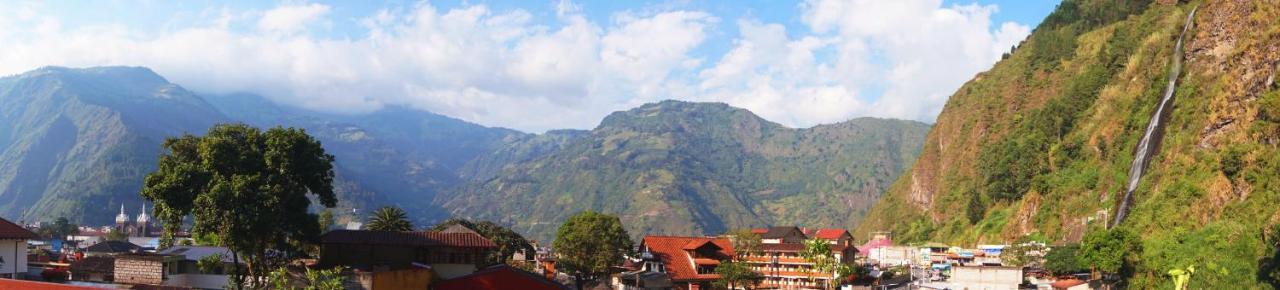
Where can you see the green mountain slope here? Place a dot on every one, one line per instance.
(1041, 144)
(75, 141)
(694, 168)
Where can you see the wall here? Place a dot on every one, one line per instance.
(7, 248)
(413, 278)
(139, 271)
(989, 278)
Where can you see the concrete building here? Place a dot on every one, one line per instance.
(13, 249)
(780, 262)
(985, 278)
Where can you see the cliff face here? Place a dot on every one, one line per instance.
(1040, 145)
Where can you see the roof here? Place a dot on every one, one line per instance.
(94, 265)
(33, 285)
(780, 232)
(759, 230)
(195, 253)
(419, 239)
(10, 230)
(501, 277)
(671, 251)
(112, 247)
(830, 234)
(794, 247)
(1068, 283)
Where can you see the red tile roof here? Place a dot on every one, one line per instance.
(425, 239)
(830, 234)
(499, 278)
(1068, 283)
(759, 231)
(11, 231)
(33, 285)
(794, 247)
(672, 253)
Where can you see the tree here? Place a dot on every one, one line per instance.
(737, 274)
(59, 229)
(818, 252)
(326, 220)
(250, 189)
(745, 242)
(116, 235)
(1024, 253)
(331, 279)
(1062, 260)
(588, 243)
(389, 218)
(509, 242)
(1107, 251)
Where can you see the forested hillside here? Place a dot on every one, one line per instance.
(1040, 146)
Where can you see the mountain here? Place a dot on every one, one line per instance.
(78, 141)
(1043, 145)
(82, 139)
(691, 168)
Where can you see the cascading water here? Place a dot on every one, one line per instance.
(1150, 139)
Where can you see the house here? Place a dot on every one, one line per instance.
(783, 235)
(93, 269)
(983, 277)
(108, 248)
(13, 249)
(500, 277)
(690, 262)
(413, 276)
(450, 254)
(781, 264)
(651, 274)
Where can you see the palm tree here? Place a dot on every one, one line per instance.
(389, 218)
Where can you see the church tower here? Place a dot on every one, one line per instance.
(122, 221)
(143, 223)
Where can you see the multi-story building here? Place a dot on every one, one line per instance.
(690, 262)
(780, 263)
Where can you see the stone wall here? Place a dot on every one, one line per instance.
(139, 270)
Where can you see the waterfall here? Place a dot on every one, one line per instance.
(1150, 138)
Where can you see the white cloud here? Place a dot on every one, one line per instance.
(288, 19)
(503, 68)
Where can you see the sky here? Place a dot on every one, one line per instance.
(540, 65)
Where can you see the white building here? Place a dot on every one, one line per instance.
(13, 249)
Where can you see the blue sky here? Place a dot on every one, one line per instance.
(538, 65)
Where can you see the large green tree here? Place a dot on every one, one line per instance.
(1107, 251)
(818, 252)
(745, 243)
(735, 275)
(389, 218)
(249, 188)
(509, 242)
(59, 229)
(588, 243)
(1063, 260)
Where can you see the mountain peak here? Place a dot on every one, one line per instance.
(673, 114)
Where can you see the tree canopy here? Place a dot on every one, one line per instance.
(588, 243)
(1108, 250)
(1063, 260)
(745, 242)
(734, 275)
(818, 252)
(389, 218)
(249, 188)
(59, 229)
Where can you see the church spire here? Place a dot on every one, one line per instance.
(122, 217)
